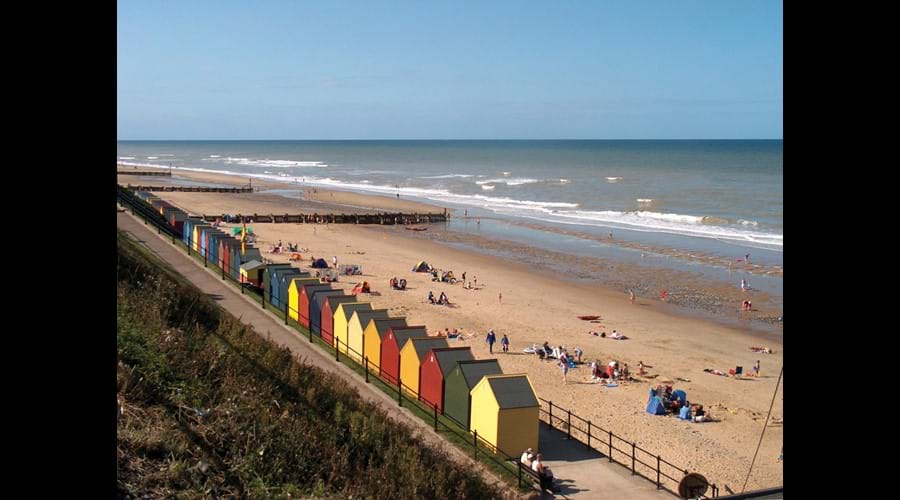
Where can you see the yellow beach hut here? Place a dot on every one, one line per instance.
(294, 288)
(372, 336)
(359, 320)
(411, 357)
(342, 316)
(505, 413)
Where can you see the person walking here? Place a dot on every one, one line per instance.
(491, 338)
(631, 295)
(504, 343)
(334, 261)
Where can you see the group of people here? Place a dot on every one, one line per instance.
(491, 339)
(536, 463)
(442, 300)
(279, 248)
(398, 284)
(612, 371)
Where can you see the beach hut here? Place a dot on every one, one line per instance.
(304, 301)
(373, 335)
(176, 218)
(458, 386)
(328, 304)
(434, 370)
(212, 246)
(391, 345)
(197, 236)
(269, 278)
(294, 292)
(356, 328)
(253, 272)
(411, 357)
(187, 234)
(273, 277)
(505, 413)
(281, 283)
(226, 247)
(342, 316)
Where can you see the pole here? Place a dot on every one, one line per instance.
(519, 466)
(285, 314)
(204, 260)
(551, 414)
(610, 446)
(589, 435)
(310, 334)
(569, 426)
(657, 471)
(475, 443)
(337, 351)
(435, 418)
(632, 459)
(399, 389)
(367, 362)
(264, 297)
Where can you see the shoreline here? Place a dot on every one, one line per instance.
(689, 292)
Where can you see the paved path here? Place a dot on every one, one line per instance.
(583, 474)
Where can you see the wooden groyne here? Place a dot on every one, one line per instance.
(315, 218)
(144, 173)
(192, 189)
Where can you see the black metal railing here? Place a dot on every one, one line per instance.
(617, 449)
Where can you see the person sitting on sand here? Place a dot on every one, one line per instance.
(641, 368)
(625, 374)
(578, 354)
(700, 414)
(443, 300)
(431, 297)
(756, 369)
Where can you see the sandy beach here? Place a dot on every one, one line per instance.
(536, 307)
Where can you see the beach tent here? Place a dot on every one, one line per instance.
(655, 406)
(411, 357)
(421, 267)
(374, 334)
(269, 278)
(319, 312)
(392, 344)
(434, 370)
(505, 413)
(294, 288)
(342, 316)
(458, 386)
(299, 299)
(252, 272)
(356, 328)
(320, 264)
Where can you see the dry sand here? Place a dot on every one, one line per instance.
(536, 307)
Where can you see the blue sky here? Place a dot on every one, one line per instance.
(449, 70)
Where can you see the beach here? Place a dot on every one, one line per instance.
(539, 305)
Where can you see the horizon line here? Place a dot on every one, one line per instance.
(450, 140)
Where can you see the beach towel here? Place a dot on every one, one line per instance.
(588, 318)
(612, 385)
(715, 372)
(528, 350)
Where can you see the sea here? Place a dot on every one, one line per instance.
(723, 199)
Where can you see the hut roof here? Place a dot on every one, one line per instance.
(473, 370)
(383, 325)
(512, 391)
(447, 357)
(422, 345)
(251, 265)
(402, 334)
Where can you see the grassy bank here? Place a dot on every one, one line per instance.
(211, 409)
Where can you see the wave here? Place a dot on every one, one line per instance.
(509, 182)
(549, 211)
(748, 223)
(274, 163)
(140, 164)
(488, 187)
(613, 179)
(214, 156)
(506, 173)
(126, 158)
(644, 200)
(564, 181)
(153, 157)
(448, 176)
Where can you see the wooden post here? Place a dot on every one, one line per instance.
(569, 426)
(399, 389)
(475, 443)
(310, 334)
(551, 414)
(285, 314)
(519, 467)
(337, 348)
(589, 435)
(367, 365)
(435, 418)
(264, 296)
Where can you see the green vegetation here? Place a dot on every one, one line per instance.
(211, 409)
